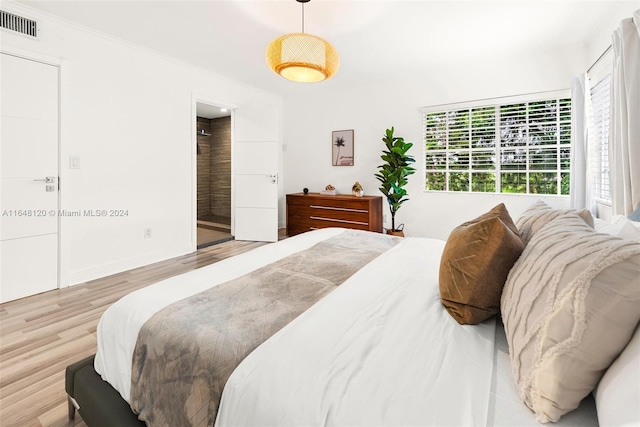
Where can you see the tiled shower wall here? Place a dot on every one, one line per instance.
(214, 167)
(203, 164)
(221, 167)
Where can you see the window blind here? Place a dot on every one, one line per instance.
(599, 138)
(521, 147)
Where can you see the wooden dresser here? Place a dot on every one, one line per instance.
(314, 210)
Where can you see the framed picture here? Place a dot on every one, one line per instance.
(342, 147)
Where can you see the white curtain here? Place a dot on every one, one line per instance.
(624, 144)
(581, 182)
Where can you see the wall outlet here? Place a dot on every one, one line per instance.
(384, 217)
(147, 233)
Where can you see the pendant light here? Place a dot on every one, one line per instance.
(301, 57)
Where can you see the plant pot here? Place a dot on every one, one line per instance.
(399, 233)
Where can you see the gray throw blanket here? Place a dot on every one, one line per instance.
(186, 352)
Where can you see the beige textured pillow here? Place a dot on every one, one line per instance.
(539, 214)
(569, 307)
(474, 265)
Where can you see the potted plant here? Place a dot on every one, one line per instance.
(393, 175)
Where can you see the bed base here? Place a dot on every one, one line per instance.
(95, 400)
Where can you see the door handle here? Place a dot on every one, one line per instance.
(274, 178)
(48, 179)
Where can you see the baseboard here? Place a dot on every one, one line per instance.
(124, 265)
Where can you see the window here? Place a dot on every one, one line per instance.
(519, 147)
(599, 138)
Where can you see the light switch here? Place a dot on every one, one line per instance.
(74, 162)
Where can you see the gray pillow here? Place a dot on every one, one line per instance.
(635, 215)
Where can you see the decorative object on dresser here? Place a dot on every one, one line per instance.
(342, 147)
(313, 210)
(393, 175)
(357, 190)
(329, 190)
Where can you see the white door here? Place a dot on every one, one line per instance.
(255, 173)
(28, 177)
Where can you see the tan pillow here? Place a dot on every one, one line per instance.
(569, 307)
(539, 214)
(474, 265)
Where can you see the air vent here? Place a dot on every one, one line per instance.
(18, 23)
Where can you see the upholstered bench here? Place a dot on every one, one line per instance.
(98, 403)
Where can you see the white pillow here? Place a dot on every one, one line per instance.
(620, 226)
(618, 394)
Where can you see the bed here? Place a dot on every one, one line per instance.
(376, 347)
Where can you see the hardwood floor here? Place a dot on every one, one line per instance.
(42, 334)
(208, 236)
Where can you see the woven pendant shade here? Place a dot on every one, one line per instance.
(302, 57)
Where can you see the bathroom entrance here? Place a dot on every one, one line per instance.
(213, 151)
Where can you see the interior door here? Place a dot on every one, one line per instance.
(255, 158)
(28, 177)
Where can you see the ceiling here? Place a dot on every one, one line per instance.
(374, 38)
(211, 111)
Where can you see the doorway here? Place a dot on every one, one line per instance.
(213, 175)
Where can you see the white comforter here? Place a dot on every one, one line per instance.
(379, 350)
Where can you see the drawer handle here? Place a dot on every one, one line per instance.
(339, 220)
(338, 209)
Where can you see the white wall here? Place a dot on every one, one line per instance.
(370, 108)
(601, 39)
(127, 114)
